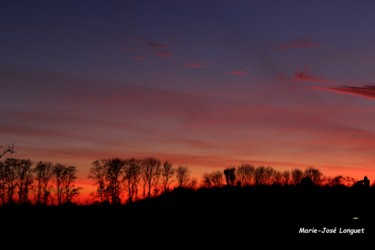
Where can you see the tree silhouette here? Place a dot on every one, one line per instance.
(98, 174)
(297, 176)
(65, 177)
(337, 181)
(70, 190)
(264, 175)
(115, 178)
(132, 177)
(259, 175)
(245, 174)
(3, 183)
(285, 178)
(9, 149)
(230, 176)
(167, 174)
(277, 178)
(151, 175)
(43, 173)
(24, 180)
(114, 172)
(58, 172)
(314, 174)
(213, 179)
(9, 176)
(182, 176)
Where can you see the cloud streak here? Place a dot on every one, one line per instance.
(156, 45)
(304, 42)
(305, 76)
(365, 91)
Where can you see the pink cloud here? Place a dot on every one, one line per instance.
(195, 66)
(366, 91)
(238, 73)
(304, 42)
(304, 76)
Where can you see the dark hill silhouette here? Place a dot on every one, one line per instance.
(231, 213)
(135, 204)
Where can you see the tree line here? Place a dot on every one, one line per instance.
(119, 181)
(126, 180)
(44, 184)
(247, 175)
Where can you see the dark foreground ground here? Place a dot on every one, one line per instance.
(211, 218)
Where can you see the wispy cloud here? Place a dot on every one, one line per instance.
(195, 66)
(304, 42)
(366, 91)
(156, 45)
(305, 76)
(238, 73)
(146, 49)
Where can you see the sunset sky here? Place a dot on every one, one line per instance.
(207, 84)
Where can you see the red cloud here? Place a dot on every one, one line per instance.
(366, 91)
(238, 73)
(304, 76)
(304, 42)
(195, 66)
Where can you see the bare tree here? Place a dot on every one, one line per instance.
(336, 181)
(15, 181)
(98, 174)
(167, 174)
(24, 180)
(65, 183)
(297, 176)
(314, 174)
(182, 176)
(151, 175)
(9, 149)
(70, 189)
(230, 176)
(9, 176)
(285, 178)
(349, 181)
(245, 174)
(270, 175)
(58, 172)
(260, 176)
(132, 177)
(278, 178)
(213, 179)
(115, 167)
(3, 182)
(206, 180)
(43, 173)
